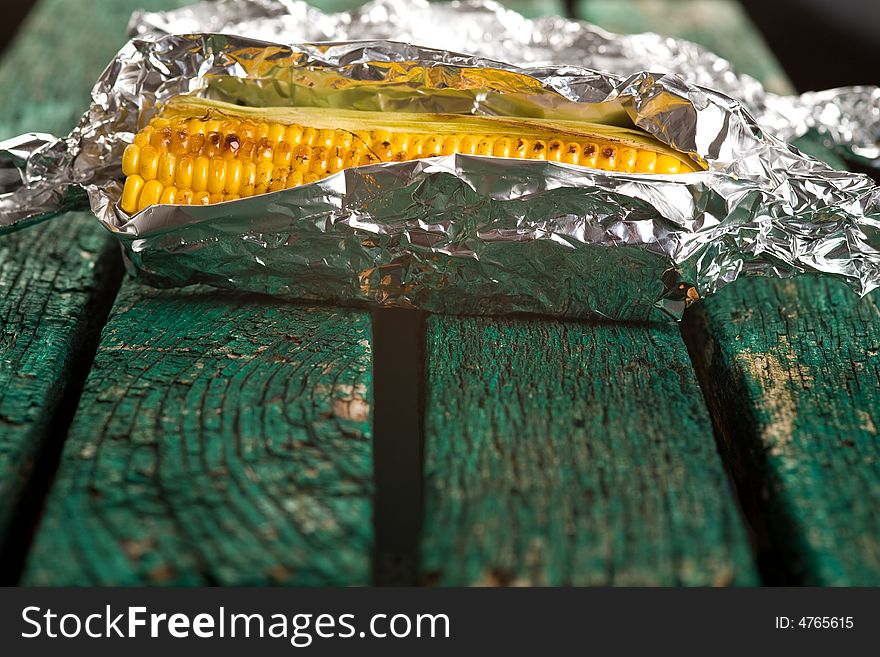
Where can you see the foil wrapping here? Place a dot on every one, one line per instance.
(466, 234)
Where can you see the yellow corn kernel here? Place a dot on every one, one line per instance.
(201, 198)
(294, 179)
(468, 144)
(201, 169)
(293, 135)
(645, 161)
(169, 195)
(214, 198)
(233, 176)
(150, 195)
(667, 164)
(484, 146)
(217, 175)
(248, 176)
(131, 159)
(626, 160)
(184, 197)
(283, 155)
(149, 162)
(183, 176)
(131, 192)
(167, 165)
(326, 138)
(142, 138)
(502, 147)
(276, 133)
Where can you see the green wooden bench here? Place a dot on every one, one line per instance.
(203, 437)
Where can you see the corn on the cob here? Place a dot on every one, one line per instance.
(200, 152)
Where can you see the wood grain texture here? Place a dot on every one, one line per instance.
(57, 280)
(572, 454)
(220, 439)
(54, 281)
(793, 372)
(790, 367)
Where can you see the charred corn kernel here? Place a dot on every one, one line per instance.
(202, 154)
(161, 138)
(169, 195)
(538, 151)
(666, 164)
(607, 158)
(264, 177)
(150, 195)
(167, 166)
(131, 192)
(149, 162)
(645, 162)
(294, 179)
(572, 153)
(589, 155)
(320, 155)
(279, 178)
(131, 159)
(555, 150)
(626, 160)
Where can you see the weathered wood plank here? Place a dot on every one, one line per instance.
(793, 373)
(791, 369)
(55, 283)
(57, 280)
(220, 439)
(572, 454)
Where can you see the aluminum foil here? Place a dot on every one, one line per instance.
(846, 120)
(459, 233)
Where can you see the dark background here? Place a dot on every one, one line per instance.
(820, 43)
